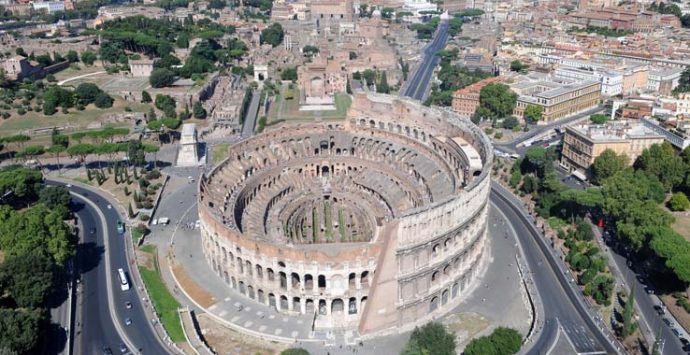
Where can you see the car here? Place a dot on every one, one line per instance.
(107, 351)
(123, 348)
(69, 186)
(660, 310)
(128, 321)
(154, 222)
(128, 305)
(675, 332)
(684, 341)
(667, 321)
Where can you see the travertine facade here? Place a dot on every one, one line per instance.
(377, 223)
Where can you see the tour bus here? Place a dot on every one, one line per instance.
(124, 285)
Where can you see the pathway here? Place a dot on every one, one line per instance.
(79, 77)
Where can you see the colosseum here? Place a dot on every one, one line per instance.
(374, 223)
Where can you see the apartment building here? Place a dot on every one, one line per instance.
(558, 98)
(584, 143)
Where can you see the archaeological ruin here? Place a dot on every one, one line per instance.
(375, 223)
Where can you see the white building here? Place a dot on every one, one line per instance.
(417, 6)
(663, 79)
(611, 81)
(49, 6)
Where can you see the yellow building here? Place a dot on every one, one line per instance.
(584, 143)
(559, 99)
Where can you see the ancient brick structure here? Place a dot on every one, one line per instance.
(377, 223)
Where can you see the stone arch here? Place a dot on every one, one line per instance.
(337, 306)
(351, 280)
(283, 280)
(259, 271)
(322, 282)
(364, 279)
(296, 304)
(242, 288)
(308, 282)
(272, 300)
(284, 303)
(434, 277)
(362, 303)
(433, 304)
(444, 297)
(322, 307)
(260, 296)
(250, 291)
(454, 290)
(295, 280)
(309, 306)
(352, 306)
(271, 274)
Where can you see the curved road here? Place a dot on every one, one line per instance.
(101, 301)
(559, 297)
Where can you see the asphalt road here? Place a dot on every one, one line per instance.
(98, 327)
(251, 115)
(558, 296)
(419, 83)
(512, 147)
(645, 303)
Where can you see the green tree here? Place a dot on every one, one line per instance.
(28, 278)
(598, 118)
(103, 100)
(55, 196)
(533, 113)
(88, 58)
(24, 183)
(289, 74)
(629, 324)
(517, 66)
(56, 150)
(432, 338)
(20, 329)
(198, 110)
(273, 35)
(59, 139)
(607, 164)
(82, 150)
(382, 86)
(37, 230)
(294, 351)
(161, 77)
(662, 161)
(480, 346)
(310, 50)
(87, 92)
(498, 100)
(506, 340)
(145, 96)
(135, 152)
(679, 202)
(72, 56)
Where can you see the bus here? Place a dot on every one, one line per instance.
(124, 285)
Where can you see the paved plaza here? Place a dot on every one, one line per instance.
(497, 299)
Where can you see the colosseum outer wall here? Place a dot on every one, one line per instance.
(415, 266)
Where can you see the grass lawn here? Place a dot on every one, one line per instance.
(556, 223)
(165, 304)
(289, 109)
(136, 235)
(682, 224)
(220, 152)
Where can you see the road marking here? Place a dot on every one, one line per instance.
(108, 272)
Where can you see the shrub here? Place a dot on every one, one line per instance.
(153, 174)
(144, 217)
(103, 100)
(678, 202)
(21, 112)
